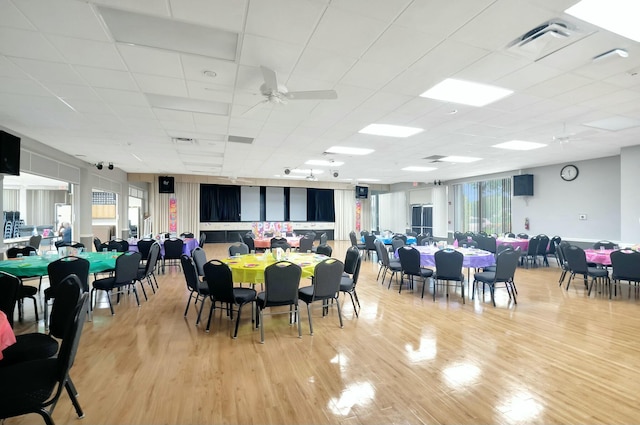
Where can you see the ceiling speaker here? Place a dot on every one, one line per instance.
(166, 184)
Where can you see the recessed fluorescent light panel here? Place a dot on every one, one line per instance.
(466, 92)
(614, 123)
(306, 171)
(324, 163)
(390, 130)
(169, 34)
(519, 145)
(459, 159)
(618, 16)
(412, 168)
(349, 151)
(369, 180)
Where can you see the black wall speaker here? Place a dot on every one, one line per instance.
(166, 184)
(523, 185)
(9, 154)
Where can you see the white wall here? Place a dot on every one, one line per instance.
(556, 205)
(630, 201)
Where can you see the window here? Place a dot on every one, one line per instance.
(483, 206)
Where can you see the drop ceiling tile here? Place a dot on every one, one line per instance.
(195, 66)
(346, 32)
(228, 15)
(107, 78)
(12, 17)
(491, 67)
(49, 71)
(323, 65)
(70, 18)
(200, 90)
(610, 100)
(22, 87)
(27, 44)
(73, 91)
(401, 47)
(128, 111)
(161, 85)
(370, 75)
(147, 60)
(152, 7)
(277, 55)
(558, 85)
(285, 20)
(88, 52)
(382, 10)
(121, 97)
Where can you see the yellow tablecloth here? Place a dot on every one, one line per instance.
(250, 268)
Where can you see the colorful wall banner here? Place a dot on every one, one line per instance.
(173, 215)
(358, 215)
(260, 227)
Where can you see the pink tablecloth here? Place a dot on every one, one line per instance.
(7, 337)
(293, 242)
(515, 243)
(599, 256)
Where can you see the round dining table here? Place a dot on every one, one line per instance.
(515, 243)
(599, 256)
(249, 268)
(293, 241)
(36, 265)
(7, 337)
(473, 258)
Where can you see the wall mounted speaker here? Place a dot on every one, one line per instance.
(166, 184)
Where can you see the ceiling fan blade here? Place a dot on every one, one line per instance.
(270, 80)
(313, 94)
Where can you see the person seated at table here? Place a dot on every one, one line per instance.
(65, 232)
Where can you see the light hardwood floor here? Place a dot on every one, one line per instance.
(557, 357)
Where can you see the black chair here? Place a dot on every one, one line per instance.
(531, 254)
(350, 261)
(220, 282)
(34, 241)
(543, 245)
(354, 241)
(125, 275)
(551, 250)
(577, 260)
(410, 263)
(58, 270)
(306, 244)
(172, 252)
(370, 245)
(248, 240)
(506, 265)
(281, 281)
(200, 259)
(146, 273)
(187, 235)
(144, 245)
(521, 235)
(420, 238)
(324, 250)
(448, 268)
(268, 234)
(396, 243)
(36, 386)
(327, 276)
(203, 239)
(25, 291)
(604, 245)
(120, 245)
(348, 283)
(626, 267)
(387, 265)
(509, 235)
(323, 239)
(198, 290)
(9, 287)
(238, 248)
(562, 261)
(486, 243)
(99, 245)
(279, 243)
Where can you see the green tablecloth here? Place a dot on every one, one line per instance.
(37, 265)
(250, 268)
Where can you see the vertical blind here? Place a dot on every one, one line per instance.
(483, 206)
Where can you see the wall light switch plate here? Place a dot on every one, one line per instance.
(582, 217)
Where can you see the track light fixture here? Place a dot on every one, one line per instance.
(111, 165)
(99, 165)
(437, 183)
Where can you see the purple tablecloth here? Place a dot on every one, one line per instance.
(473, 258)
(189, 245)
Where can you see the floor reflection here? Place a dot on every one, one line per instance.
(360, 394)
(461, 374)
(426, 350)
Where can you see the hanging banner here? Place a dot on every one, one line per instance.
(358, 215)
(173, 215)
(260, 227)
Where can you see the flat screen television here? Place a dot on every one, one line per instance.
(362, 192)
(9, 154)
(166, 184)
(523, 185)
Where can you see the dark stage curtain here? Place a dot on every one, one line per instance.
(320, 205)
(219, 203)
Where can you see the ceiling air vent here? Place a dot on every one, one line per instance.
(184, 141)
(240, 139)
(545, 39)
(434, 158)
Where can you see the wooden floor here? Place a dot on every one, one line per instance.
(558, 357)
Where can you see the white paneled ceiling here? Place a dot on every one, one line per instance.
(66, 81)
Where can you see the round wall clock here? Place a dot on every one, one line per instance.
(569, 172)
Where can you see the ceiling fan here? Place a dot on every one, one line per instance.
(278, 94)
